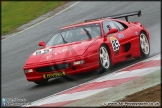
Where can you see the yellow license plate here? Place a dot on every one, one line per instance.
(57, 74)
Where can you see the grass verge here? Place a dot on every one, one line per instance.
(17, 13)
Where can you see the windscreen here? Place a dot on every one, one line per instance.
(74, 34)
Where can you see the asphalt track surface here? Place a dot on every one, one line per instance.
(16, 49)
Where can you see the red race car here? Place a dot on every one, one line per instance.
(95, 44)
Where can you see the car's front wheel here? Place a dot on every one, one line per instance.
(144, 45)
(41, 82)
(104, 59)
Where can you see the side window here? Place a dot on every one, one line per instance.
(120, 25)
(107, 25)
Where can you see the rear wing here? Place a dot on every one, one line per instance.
(126, 15)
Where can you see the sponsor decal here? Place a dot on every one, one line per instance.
(61, 51)
(136, 33)
(57, 74)
(64, 50)
(115, 44)
(42, 51)
(120, 35)
(49, 56)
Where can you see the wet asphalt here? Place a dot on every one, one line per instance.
(15, 50)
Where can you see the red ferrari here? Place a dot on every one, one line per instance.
(95, 44)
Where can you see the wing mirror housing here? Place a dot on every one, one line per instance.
(42, 43)
(113, 30)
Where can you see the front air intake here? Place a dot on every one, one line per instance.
(53, 68)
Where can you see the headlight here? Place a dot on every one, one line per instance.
(78, 62)
(28, 70)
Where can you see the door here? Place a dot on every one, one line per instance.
(117, 40)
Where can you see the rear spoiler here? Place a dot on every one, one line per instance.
(126, 15)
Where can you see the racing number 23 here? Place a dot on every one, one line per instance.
(115, 43)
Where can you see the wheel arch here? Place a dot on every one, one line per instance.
(148, 38)
(109, 51)
(146, 33)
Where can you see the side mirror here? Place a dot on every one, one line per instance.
(42, 43)
(113, 30)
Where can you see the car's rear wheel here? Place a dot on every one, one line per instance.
(144, 45)
(41, 82)
(104, 59)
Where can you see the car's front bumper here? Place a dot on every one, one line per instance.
(91, 63)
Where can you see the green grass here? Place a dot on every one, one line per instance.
(17, 13)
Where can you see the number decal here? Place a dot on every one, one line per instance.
(115, 44)
(42, 51)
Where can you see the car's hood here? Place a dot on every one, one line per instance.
(59, 52)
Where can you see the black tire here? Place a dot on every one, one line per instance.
(107, 66)
(41, 82)
(144, 45)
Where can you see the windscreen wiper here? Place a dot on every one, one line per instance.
(63, 38)
(90, 37)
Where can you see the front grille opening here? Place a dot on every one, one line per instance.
(53, 68)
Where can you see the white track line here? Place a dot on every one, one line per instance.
(89, 92)
(132, 73)
(95, 80)
(69, 97)
(41, 21)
